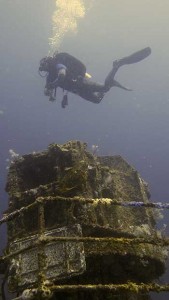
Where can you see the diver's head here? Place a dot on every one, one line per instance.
(45, 64)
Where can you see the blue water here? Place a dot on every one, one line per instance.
(132, 124)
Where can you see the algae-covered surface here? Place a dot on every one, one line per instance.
(75, 188)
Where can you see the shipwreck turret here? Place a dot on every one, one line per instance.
(71, 232)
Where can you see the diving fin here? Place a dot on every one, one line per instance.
(117, 84)
(133, 58)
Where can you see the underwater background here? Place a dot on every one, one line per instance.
(133, 124)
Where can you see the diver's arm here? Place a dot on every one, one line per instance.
(61, 74)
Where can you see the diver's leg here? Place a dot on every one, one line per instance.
(95, 97)
(82, 86)
(91, 86)
(88, 90)
(85, 88)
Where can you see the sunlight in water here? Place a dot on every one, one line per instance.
(65, 20)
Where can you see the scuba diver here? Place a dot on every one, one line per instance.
(67, 72)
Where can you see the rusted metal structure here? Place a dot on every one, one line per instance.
(71, 233)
